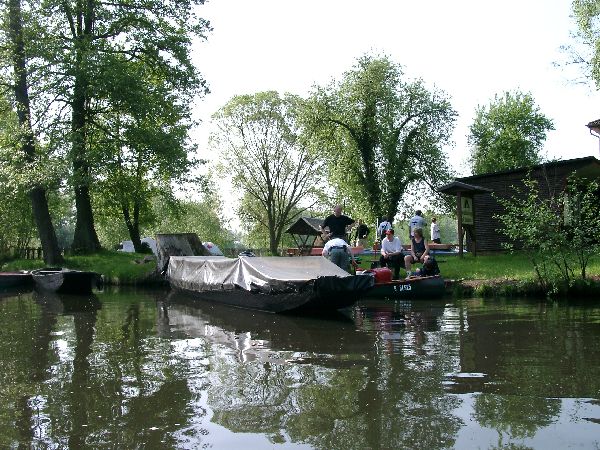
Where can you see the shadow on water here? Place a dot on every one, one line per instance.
(29, 423)
(65, 304)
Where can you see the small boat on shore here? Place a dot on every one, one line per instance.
(412, 288)
(65, 281)
(272, 284)
(15, 280)
(427, 287)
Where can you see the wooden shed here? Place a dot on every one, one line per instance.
(306, 232)
(552, 181)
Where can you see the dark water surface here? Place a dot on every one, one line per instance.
(150, 369)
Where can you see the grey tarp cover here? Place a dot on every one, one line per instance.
(272, 273)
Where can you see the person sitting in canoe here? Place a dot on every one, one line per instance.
(430, 268)
(419, 251)
(391, 252)
(338, 251)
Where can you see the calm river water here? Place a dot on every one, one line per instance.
(150, 369)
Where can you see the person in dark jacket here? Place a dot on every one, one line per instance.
(337, 223)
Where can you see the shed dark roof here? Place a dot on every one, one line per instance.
(594, 124)
(579, 162)
(306, 226)
(456, 186)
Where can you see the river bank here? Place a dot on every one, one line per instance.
(116, 268)
(510, 275)
(580, 289)
(497, 275)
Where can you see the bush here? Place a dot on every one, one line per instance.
(559, 234)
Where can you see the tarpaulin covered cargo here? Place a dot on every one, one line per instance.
(276, 284)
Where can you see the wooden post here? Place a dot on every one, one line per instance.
(459, 220)
(473, 233)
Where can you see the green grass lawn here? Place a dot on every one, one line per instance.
(120, 267)
(513, 266)
(117, 267)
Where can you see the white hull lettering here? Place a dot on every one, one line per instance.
(402, 287)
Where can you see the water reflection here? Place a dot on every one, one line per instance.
(328, 383)
(255, 335)
(154, 369)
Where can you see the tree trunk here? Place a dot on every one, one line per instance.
(133, 227)
(43, 221)
(273, 242)
(39, 203)
(85, 239)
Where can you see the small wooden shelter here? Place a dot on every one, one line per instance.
(305, 232)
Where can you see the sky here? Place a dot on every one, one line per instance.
(471, 49)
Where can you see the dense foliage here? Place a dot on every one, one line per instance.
(508, 133)
(108, 88)
(586, 14)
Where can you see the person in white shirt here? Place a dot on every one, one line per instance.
(391, 252)
(382, 228)
(338, 252)
(415, 222)
(435, 231)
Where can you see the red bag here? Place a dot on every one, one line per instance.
(382, 274)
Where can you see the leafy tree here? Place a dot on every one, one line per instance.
(261, 140)
(17, 229)
(201, 217)
(255, 234)
(582, 220)
(95, 54)
(382, 135)
(25, 136)
(146, 148)
(507, 134)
